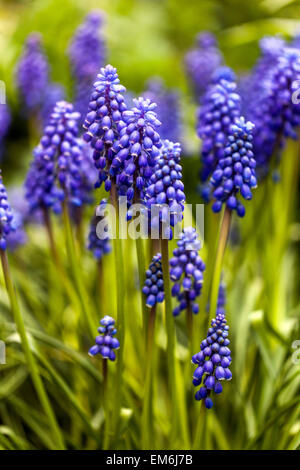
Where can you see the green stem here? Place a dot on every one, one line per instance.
(224, 231)
(147, 421)
(105, 404)
(119, 267)
(170, 328)
(200, 431)
(76, 271)
(141, 270)
(33, 368)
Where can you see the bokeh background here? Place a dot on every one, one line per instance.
(260, 407)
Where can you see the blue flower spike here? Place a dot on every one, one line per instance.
(186, 271)
(214, 359)
(106, 344)
(154, 285)
(235, 173)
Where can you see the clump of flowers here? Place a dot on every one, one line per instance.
(6, 216)
(99, 246)
(103, 124)
(138, 147)
(168, 109)
(55, 174)
(105, 341)
(32, 73)
(202, 61)
(235, 172)
(187, 271)
(255, 86)
(165, 187)
(221, 105)
(87, 54)
(154, 284)
(277, 117)
(214, 359)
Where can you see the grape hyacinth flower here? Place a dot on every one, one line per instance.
(254, 86)
(103, 123)
(235, 173)
(278, 116)
(165, 187)
(98, 246)
(213, 360)
(187, 271)
(55, 174)
(6, 216)
(168, 109)
(202, 61)
(105, 342)
(87, 54)
(154, 284)
(220, 107)
(138, 147)
(32, 73)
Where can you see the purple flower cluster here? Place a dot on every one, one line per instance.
(165, 188)
(103, 124)
(154, 284)
(6, 216)
(187, 271)
(105, 342)
(213, 361)
(168, 109)
(99, 246)
(235, 172)
(221, 105)
(32, 73)
(277, 117)
(87, 54)
(55, 174)
(138, 147)
(202, 61)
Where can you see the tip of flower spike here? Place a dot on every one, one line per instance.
(240, 124)
(224, 73)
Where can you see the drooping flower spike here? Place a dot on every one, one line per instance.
(187, 271)
(214, 359)
(103, 124)
(56, 174)
(105, 341)
(154, 284)
(32, 73)
(202, 61)
(87, 54)
(235, 172)
(221, 105)
(98, 246)
(6, 216)
(166, 188)
(168, 109)
(138, 147)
